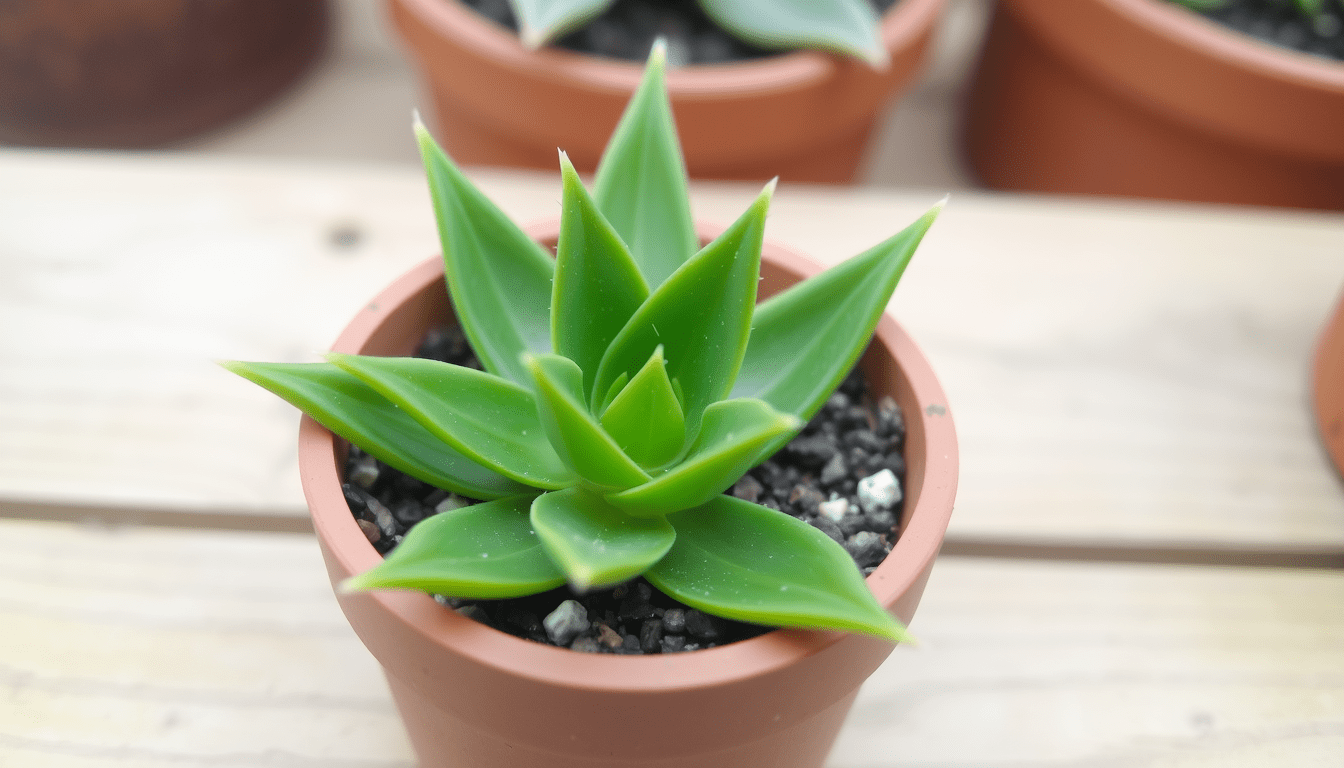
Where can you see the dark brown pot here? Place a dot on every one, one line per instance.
(473, 696)
(139, 73)
(1142, 98)
(804, 116)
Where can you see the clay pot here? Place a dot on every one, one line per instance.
(473, 696)
(1328, 386)
(805, 116)
(139, 73)
(1142, 98)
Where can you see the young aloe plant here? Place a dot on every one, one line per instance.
(630, 381)
(849, 27)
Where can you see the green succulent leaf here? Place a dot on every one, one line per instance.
(492, 421)
(645, 418)
(499, 278)
(540, 21)
(804, 340)
(849, 27)
(701, 315)
(595, 544)
(616, 387)
(641, 180)
(485, 551)
(743, 561)
(597, 285)
(352, 409)
(730, 442)
(575, 435)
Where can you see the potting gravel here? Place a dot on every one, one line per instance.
(628, 28)
(843, 474)
(1279, 22)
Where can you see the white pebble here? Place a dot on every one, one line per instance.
(452, 502)
(835, 509)
(879, 491)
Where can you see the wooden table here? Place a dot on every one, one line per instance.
(1144, 568)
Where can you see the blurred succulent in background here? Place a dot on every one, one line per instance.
(629, 382)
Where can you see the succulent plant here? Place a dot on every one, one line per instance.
(629, 382)
(849, 27)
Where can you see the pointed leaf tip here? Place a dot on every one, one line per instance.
(658, 52)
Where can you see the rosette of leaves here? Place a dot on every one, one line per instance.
(629, 381)
(848, 27)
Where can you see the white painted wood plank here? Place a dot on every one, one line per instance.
(1119, 372)
(179, 649)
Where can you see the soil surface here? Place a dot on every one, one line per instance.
(815, 478)
(1279, 22)
(628, 28)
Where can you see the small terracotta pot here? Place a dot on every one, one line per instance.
(1143, 98)
(1328, 386)
(140, 73)
(473, 696)
(804, 116)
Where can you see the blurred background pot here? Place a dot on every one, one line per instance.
(1328, 386)
(804, 116)
(1143, 98)
(140, 73)
(473, 696)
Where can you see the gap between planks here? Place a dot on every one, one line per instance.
(993, 547)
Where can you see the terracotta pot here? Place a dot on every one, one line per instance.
(1328, 386)
(139, 73)
(1142, 98)
(474, 696)
(805, 116)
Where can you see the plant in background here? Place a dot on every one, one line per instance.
(630, 381)
(849, 27)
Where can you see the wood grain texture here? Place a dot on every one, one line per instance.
(1120, 373)
(179, 649)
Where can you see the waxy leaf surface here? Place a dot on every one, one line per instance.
(576, 436)
(701, 315)
(594, 543)
(805, 339)
(597, 285)
(844, 26)
(645, 418)
(543, 20)
(489, 419)
(486, 551)
(743, 561)
(617, 387)
(730, 442)
(352, 409)
(641, 179)
(499, 278)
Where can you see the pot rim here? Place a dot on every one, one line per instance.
(901, 26)
(1197, 72)
(924, 525)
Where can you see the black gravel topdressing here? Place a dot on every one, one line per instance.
(627, 31)
(1280, 23)
(815, 478)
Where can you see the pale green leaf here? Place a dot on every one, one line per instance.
(743, 561)
(484, 552)
(540, 21)
(491, 420)
(595, 544)
(597, 285)
(731, 439)
(641, 179)
(701, 315)
(645, 418)
(576, 436)
(499, 278)
(352, 409)
(851, 27)
(806, 339)
(616, 387)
